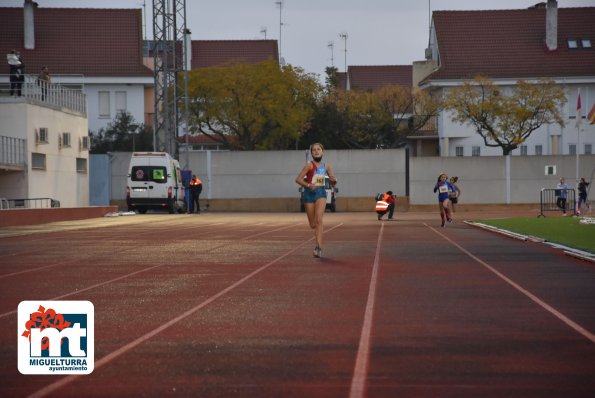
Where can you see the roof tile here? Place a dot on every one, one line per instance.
(207, 53)
(87, 41)
(376, 76)
(511, 44)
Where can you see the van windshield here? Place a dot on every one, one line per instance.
(149, 173)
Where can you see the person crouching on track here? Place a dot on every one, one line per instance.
(444, 187)
(386, 205)
(312, 179)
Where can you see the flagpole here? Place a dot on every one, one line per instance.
(578, 133)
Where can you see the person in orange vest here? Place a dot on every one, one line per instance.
(195, 190)
(386, 205)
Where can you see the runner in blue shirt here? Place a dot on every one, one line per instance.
(312, 179)
(444, 187)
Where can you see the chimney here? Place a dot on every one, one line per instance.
(551, 25)
(29, 24)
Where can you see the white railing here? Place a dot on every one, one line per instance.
(41, 92)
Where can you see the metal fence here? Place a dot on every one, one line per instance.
(559, 200)
(34, 203)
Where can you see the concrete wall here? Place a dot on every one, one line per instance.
(482, 180)
(60, 179)
(241, 180)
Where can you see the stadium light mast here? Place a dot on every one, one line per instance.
(170, 59)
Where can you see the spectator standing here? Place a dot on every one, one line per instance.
(562, 194)
(17, 72)
(44, 80)
(195, 191)
(582, 195)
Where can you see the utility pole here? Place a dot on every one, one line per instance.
(343, 36)
(331, 45)
(280, 4)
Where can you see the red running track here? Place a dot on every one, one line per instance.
(220, 305)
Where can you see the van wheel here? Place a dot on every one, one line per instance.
(142, 211)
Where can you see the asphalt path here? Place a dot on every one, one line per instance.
(219, 305)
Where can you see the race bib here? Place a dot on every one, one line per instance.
(318, 180)
(443, 189)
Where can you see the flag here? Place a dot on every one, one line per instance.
(591, 116)
(578, 110)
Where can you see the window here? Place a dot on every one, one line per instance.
(41, 137)
(66, 140)
(38, 161)
(572, 149)
(104, 104)
(523, 150)
(588, 149)
(550, 170)
(572, 43)
(538, 150)
(459, 151)
(476, 151)
(81, 165)
(586, 43)
(149, 173)
(84, 143)
(120, 101)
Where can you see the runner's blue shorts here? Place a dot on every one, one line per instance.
(312, 195)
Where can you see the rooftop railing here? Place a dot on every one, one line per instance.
(41, 92)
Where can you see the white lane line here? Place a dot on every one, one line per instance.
(124, 349)
(137, 272)
(578, 328)
(360, 372)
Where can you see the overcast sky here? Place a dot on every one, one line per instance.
(379, 32)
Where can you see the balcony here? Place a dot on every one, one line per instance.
(38, 92)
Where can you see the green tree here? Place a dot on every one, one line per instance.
(122, 134)
(252, 106)
(506, 118)
(374, 119)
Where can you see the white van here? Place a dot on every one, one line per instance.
(154, 182)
